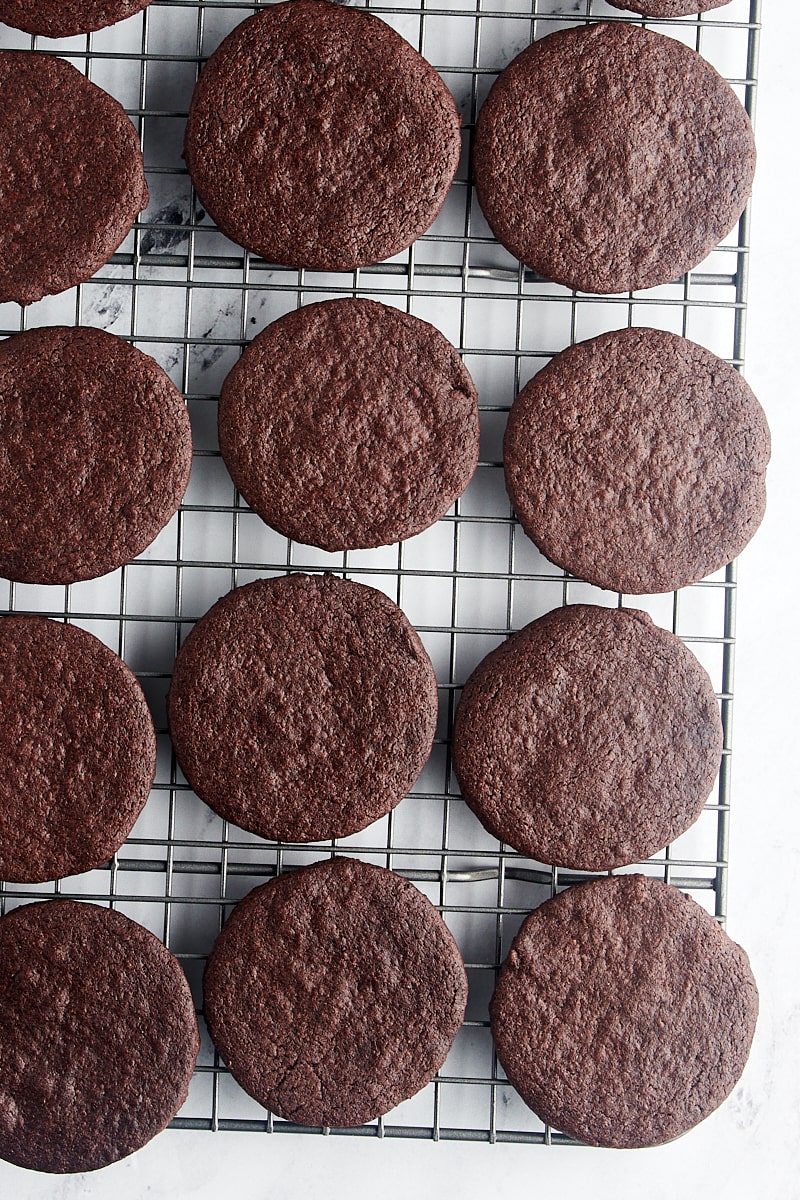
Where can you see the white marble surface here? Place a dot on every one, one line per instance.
(752, 1143)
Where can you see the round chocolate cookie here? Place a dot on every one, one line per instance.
(95, 453)
(349, 424)
(302, 708)
(667, 8)
(334, 993)
(623, 1014)
(610, 158)
(71, 176)
(98, 1033)
(590, 739)
(77, 750)
(318, 137)
(636, 461)
(66, 18)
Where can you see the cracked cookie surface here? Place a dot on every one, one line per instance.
(319, 138)
(667, 8)
(334, 992)
(71, 176)
(349, 424)
(637, 461)
(610, 158)
(98, 1032)
(589, 740)
(623, 1014)
(302, 708)
(66, 18)
(95, 453)
(77, 750)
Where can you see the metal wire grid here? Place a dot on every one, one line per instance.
(192, 299)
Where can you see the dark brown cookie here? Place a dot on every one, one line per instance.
(318, 137)
(66, 18)
(334, 993)
(610, 158)
(95, 453)
(636, 461)
(71, 177)
(302, 708)
(667, 8)
(623, 1014)
(590, 739)
(77, 750)
(349, 424)
(98, 1033)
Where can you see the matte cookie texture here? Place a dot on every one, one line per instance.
(98, 1033)
(334, 993)
(610, 158)
(590, 739)
(77, 750)
(302, 708)
(66, 18)
(71, 177)
(349, 424)
(623, 1014)
(318, 137)
(637, 461)
(95, 453)
(667, 8)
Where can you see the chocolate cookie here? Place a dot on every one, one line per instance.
(590, 739)
(667, 8)
(77, 750)
(349, 424)
(98, 1032)
(95, 453)
(623, 1014)
(334, 993)
(318, 137)
(302, 708)
(636, 460)
(66, 18)
(609, 158)
(71, 177)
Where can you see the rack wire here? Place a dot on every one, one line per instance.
(186, 295)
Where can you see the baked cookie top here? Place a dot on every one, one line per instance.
(637, 461)
(99, 1036)
(66, 18)
(667, 8)
(77, 750)
(334, 993)
(302, 708)
(71, 177)
(590, 739)
(349, 424)
(95, 453)
(318, 137)
(623, 1014)
(610, 158)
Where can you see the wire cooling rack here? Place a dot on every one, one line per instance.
(186, 295)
